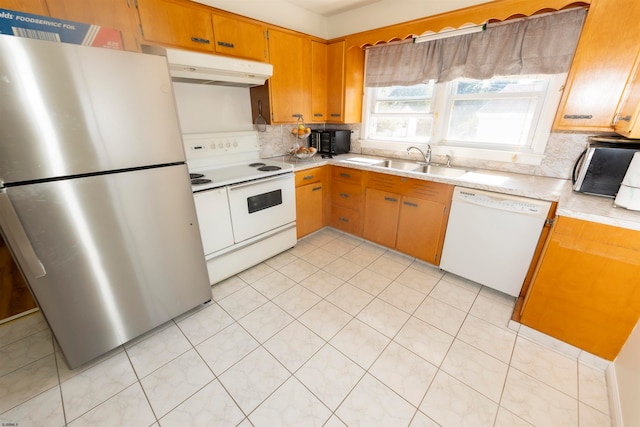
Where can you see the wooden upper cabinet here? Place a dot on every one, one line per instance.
(176, 23)
(289, 87)
(603, 61)
(237, 37)
(117, 14)
(627, 121)
(318, 82)
(335, 81)
(37, 7)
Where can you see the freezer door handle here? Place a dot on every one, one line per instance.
(18, 237)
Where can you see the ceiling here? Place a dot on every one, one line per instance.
(328, 8)
(334, 18)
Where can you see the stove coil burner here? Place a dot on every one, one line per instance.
(269, 168)
(195, 175)
(200, 181)
(255, 165)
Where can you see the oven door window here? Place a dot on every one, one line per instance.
(264, 201)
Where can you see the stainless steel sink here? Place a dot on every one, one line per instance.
(440, 170)
(397, 164)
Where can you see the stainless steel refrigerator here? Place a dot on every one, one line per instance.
(95, 198)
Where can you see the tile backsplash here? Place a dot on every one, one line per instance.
(563, 148)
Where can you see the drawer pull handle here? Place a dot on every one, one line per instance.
(413, 205)
(345, 195)
(345, 175)
(308, 177)
(578, 116)
(391, 199)
(316, 189)
(343, 219)
(200, 40)
(335, 115)
(226, 44)
(318, 115)
(625, 118)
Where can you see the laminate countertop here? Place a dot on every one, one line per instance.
(570, 203)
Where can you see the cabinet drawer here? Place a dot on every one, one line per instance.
(346, 195)
(347, 220)
(309, 176)
(346, 175)
(428, 190)
(386, 182)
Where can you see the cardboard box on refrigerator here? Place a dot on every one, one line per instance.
(58, 30)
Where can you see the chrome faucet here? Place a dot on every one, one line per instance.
(426, 157)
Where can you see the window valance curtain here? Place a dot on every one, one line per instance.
(534, 45)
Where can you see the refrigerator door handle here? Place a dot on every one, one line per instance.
(15, 233)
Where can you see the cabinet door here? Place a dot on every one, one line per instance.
(421, 229)
(381, 212)
(240, 38)
(15, 297)
(117, 14)
(335, 81)
(309, 209)
(586, 290)
(602, 63)
(38, 7)
(290, 57)
(629, 110)
(176, 23)
(318, 82)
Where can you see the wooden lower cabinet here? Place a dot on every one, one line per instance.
(406, 214)
(381, 221)
(346, 200)
(586, 288)
(311, 203)
(421, 228)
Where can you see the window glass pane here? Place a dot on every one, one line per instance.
(406, 128)
(500, 85)
(417, 106)
(492, 121)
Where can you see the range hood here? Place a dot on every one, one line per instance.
(202, 68)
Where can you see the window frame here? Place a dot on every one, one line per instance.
(532, 155)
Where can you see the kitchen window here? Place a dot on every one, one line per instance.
(502, 118)
(489, 94)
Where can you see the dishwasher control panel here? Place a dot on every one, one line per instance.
(503, 202)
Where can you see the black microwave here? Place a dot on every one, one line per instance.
(601, 167)
(331, 141)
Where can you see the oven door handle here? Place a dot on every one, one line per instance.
(260, 181)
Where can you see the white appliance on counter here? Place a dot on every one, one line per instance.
(245, 205)
(491, 237)
(628, 195)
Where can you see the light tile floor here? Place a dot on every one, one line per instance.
(333, 332)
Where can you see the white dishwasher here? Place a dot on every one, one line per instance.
(491, 237)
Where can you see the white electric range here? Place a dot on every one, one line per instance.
(245, 205)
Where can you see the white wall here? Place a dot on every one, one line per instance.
(388, 12)
(203, 108)
(627, 373)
